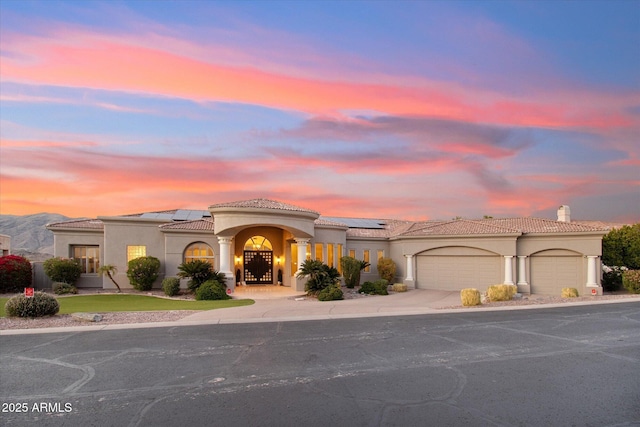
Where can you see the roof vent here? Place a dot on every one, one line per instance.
(564, 213)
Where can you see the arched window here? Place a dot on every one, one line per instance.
(199, 250)
(258, 243)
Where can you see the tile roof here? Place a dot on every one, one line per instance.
(263, 204)
(540, 225)
(458, 228)
(197, 224)
(324, 221)
(87, 224)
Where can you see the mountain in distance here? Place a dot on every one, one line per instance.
(29, 237)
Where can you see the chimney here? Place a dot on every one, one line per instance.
(564, 213)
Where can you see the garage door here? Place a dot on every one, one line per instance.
(453, 273)
(549, 274)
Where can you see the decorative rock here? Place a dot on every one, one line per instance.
(87, 317)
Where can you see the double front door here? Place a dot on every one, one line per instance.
(258, 267)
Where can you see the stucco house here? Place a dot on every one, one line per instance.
(263, 242)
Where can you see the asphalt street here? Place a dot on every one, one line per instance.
(567, 366)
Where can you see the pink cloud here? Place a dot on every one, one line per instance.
(85, 59)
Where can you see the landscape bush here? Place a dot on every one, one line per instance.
(379, 287)
(319, 276)
(330, 293)
(171, 286)
(569, 293)
(15, 273)
(212, 290)
(501, 292)
(39, 305)
(351, 269)
(631, 281)
(142, 272)
(61, 288)
(399, 287)
(198, 272)
(386, 269)
(612, 278)
(470, 297)
(64, 270)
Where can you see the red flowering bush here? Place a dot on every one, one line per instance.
(15, 273)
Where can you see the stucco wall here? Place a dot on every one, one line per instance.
(64, 240)
(135, 232)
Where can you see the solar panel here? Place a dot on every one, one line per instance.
(369, 223)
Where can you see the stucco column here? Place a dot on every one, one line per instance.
(409, 275)
(225, 261)
(508, 270)
(522, 272)
(302, 251)
(591, 271)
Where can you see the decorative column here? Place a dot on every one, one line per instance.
(409, 274)
(522, 272)
(591, 271)
(302, 251)
(225, 260)
(508, 270)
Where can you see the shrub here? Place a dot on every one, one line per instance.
(387, 269)
(171, 286)
(64, 270)
(198, 272)
(379, 287)
(212, 290)
(15, 273)
(39, 305)
(330, 293)
(61, 288)
(319, 276)
(399, 287)
(142, 272)
(501, 292)
(631, 281)
(470, 297)
(351, 269)
(612, 278)
(569, 293)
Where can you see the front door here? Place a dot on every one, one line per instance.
(258, 267)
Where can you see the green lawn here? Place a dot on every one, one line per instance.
(108, 303)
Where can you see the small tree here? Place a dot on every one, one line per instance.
(319, 275)
(387, 269)
(15, 273)
(351, 269)
(64, 270)
(198, 272)
(110, 270)
(621, 247)
(143, 272)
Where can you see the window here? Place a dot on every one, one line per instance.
(319, 252)
(258, 243)
(199, 251)
(338, 256)
(380, 254)
(294, 259)
(367, 258)
(134, 252)
(352, 253)
(330, 261)
(89, 258)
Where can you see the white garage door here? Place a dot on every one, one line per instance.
(549, 274)
(453, 273)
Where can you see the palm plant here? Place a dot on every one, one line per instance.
(110, 270)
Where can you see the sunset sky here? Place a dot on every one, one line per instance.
(410, 110)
